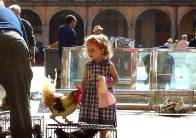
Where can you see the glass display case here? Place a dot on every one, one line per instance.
(141, 72)
(128, 63)
(174, 102)
(175, 69)
(138, 69)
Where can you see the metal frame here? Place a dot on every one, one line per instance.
(70, 128)
(5, 123)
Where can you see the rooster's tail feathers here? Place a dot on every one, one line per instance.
(48, 92)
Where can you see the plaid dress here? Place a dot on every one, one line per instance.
(89, 111)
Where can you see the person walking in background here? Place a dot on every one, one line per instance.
(99, 52)
(183, 43)
(192, 42)
(67, 34)
(29, 32)
(97, 30)
(15, 72)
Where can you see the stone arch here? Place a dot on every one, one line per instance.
(58, 19)
(182, 12)
(152, 28)
(34, 19)
(187, 23)
(113, 22)
(142, 10)
(53, 12)
(124, 13)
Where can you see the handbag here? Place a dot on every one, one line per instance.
(105, 97)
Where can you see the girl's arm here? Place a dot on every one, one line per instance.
(114, 75)
(85, 78)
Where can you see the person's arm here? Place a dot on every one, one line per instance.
(32, 43)
(114, 75)
(33, 55)
(60, 41)
(72, 38)
(29, 31)
(30, 38)
(24, 34)
(85, 78)
(60, 37)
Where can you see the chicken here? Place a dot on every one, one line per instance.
(60, 104)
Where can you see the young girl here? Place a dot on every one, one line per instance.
(100, 64)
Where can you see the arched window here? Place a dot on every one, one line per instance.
(34, 19)
(153, 28)
(188, 24)
(58, 19)
(113, 23)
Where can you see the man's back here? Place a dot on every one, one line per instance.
(8, 20)
(67, 36)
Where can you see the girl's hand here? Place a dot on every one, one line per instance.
(114, 75)
(101, 84)
(98, 81)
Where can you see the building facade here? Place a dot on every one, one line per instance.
(149, 22)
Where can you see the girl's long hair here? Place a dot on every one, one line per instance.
(102, 42)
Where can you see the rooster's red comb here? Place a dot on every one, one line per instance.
(80, 89)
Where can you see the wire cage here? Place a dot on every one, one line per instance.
(37, 124)
(80, 130)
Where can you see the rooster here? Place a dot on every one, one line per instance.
(60, 104)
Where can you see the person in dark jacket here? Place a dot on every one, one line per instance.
(192, 42)
(29, 31)
(15, 72)
(67, 34)
(67, 38)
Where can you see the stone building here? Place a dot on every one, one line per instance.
(148, 22)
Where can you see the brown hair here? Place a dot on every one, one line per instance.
(102, 42)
